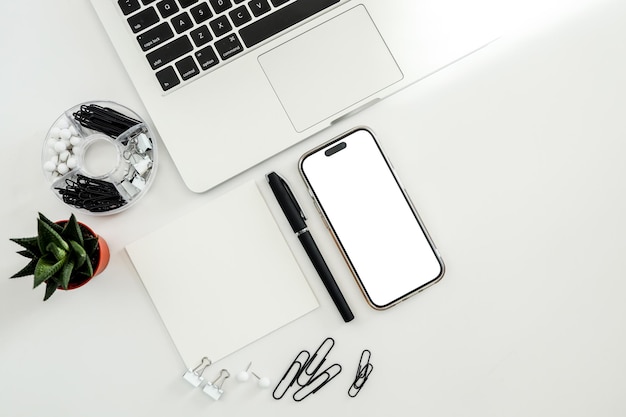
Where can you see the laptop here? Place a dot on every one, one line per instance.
(230, 83)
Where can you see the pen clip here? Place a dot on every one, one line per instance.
(291, 196)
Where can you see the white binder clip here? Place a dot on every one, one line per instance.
(194, 376)
(214, 389)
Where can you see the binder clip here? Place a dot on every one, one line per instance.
(214, 389)
(363, 372)
(194, 376)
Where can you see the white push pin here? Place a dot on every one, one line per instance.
(194, 376)
(214, 389)
(243, 376)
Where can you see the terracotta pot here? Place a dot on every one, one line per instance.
(103, 256)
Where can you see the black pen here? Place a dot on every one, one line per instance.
(296, 218)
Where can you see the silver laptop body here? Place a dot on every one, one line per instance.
(230, 113)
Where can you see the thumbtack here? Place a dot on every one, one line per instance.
(243, 376)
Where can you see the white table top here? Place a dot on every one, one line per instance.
(514, 158)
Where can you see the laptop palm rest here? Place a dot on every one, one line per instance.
(328, 69)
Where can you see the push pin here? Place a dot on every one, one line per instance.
(194, 376)
(243, 376)
(214, 389)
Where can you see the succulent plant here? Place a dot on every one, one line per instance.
(60, 253)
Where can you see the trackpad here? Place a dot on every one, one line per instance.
(329, 68)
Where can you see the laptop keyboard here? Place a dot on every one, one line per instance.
(184, 38)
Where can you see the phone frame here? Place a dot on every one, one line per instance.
(328, 223)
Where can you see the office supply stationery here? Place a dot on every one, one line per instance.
(288, 68)
(263, 381)
(99, 157)
(315, 384)
(194, 376)
(363, 371)
(305, 372)
(214, 389)
(316, 361)
(199, 268)
(290, 376)
(296, 218)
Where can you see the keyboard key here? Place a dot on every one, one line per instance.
(169, 52)
(167, 8)
(240, 15)
(186, 3)
(220, 26)
(167, 78)
(239, 1)
(155, 36)
(282, 19)
(277, 3)
(220, 6)
(259, 7)
(128, 6)
(143, 19)
(229, 46)
(147, 2)
(182, 22)
(206, 58)
(201, 12)
(187, 68)
(201, 35)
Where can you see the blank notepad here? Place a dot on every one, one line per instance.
(222, 276)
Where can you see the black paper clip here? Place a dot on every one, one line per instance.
(304, 371)
(363, 372)
(316, 361)
(318, 382)
(104, 119)
(291, 375)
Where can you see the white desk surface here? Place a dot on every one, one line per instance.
(515, 160)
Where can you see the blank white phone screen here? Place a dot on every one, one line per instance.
(371, 218)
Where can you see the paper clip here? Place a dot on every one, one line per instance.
(194, 376)
(316, 361)
(363, 372)
(291, 375)
(318, 382)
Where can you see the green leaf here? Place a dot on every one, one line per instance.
(56, 251)
(28, 243)
(72, 231)
(27, 270)
(47, 266)
(91, 244)
(66, 274)
(51, 287)
(79, 253)
(48, 235)
(56, 227)
(27, 254)
(87, 268)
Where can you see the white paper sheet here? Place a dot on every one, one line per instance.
(222, 276)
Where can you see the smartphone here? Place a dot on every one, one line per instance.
(371, 218)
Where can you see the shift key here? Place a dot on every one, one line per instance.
(169, 52)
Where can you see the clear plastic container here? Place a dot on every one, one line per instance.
(99, 157)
